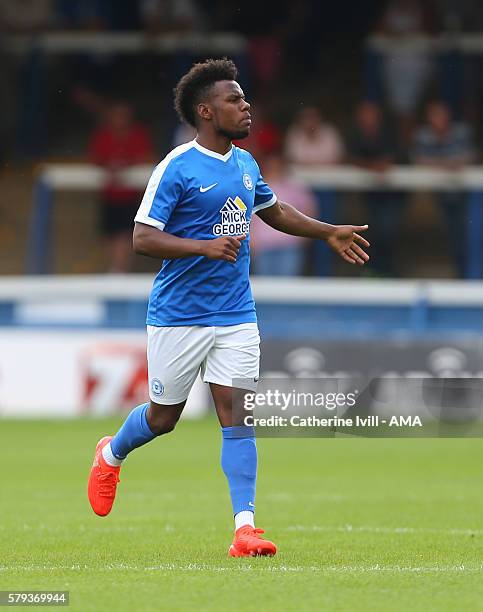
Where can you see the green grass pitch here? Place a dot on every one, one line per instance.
(361, 524)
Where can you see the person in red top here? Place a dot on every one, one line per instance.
(264, 138)
(118, 143)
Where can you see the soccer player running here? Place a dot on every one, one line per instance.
(195, 217)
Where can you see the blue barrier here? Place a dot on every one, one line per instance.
(474, 227)
(278, 320)
(39, 246)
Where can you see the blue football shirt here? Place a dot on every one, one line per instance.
(200, 194)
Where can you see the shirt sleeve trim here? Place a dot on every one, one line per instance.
(150, 221)
(270, 202)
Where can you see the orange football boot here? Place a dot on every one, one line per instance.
(103, 481)
(248, 543)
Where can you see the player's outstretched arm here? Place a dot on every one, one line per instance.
(343, 239)
(148, 240)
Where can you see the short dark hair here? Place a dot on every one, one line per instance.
(195, 84)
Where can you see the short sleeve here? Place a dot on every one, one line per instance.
(164, 191)
(264, 196)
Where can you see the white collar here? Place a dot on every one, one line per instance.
(211, 153)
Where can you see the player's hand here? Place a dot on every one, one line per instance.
(346, 242)
(225, 247)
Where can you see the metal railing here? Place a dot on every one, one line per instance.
(326, 182)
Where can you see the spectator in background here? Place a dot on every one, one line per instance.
(78, 15)
(180, 21)
(161, 16)
(264, 138)
(311, 141)
(276, 253)
(407, 63)
(29, 87)
(448, 145)
(265, 52)
(183, 133)
(25, 16)
(92, 75)
(461, 82)
(372, 146)
(117, 144)
(302, 31)
(461, 15)
(98, 14)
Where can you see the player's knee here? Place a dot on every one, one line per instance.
(163, 421)
(162, 426)
(168, 426)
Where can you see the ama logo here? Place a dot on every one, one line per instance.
(233, 219)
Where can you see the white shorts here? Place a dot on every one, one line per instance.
(224, 354)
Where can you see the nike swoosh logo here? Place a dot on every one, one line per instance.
(203, 189)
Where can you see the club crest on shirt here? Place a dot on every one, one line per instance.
(233, 218)
(157, 387)
(247, 181)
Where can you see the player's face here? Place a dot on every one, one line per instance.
(230, 111)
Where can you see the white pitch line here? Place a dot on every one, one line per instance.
(375, 529)
(298, 528)
(195, 567)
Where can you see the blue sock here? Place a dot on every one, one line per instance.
(134, 432)
(239, 462)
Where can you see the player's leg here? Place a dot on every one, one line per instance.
(234, 359)
(174, 356)
(142, 425)
(238, 455)
(116, 227)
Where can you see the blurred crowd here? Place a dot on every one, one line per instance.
(415, 99)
